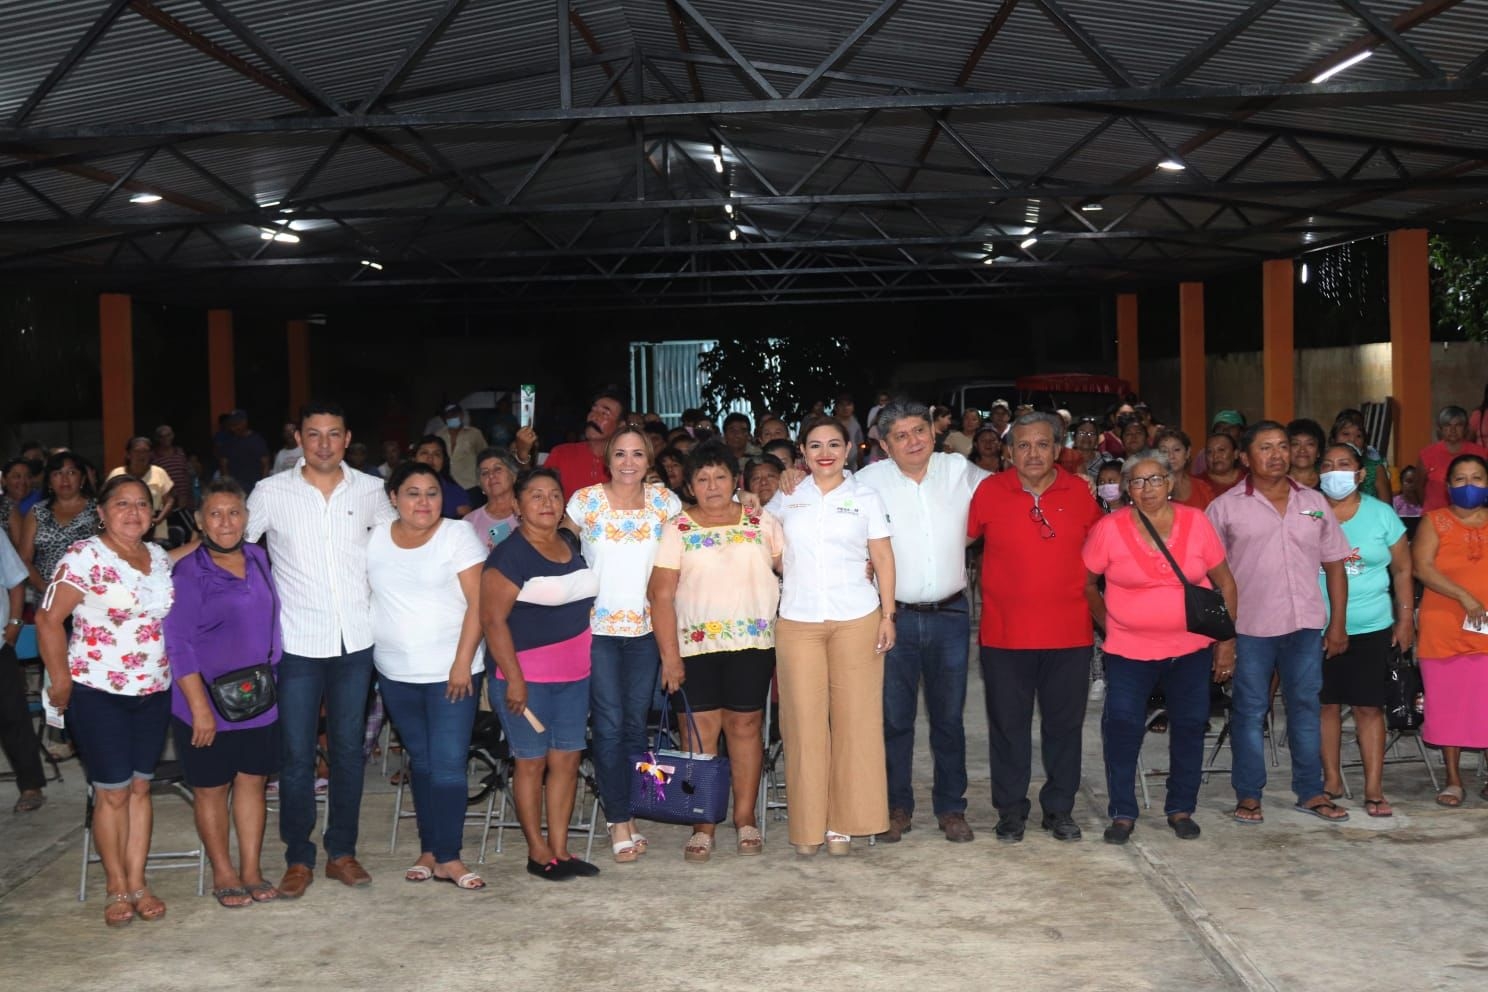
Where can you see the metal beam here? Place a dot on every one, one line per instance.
(1283, 95)
(1087, 44)
(69, 61)
(565, 58)
(714, 36)
(261, 48)
(1424, 67)
(847, 44)
(415, 52)
(1195, 59)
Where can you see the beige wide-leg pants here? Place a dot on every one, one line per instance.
(831, 722)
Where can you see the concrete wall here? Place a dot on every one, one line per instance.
(1328, 380)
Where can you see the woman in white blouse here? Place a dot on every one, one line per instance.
(833, 631)
(620, 523)
(424, 571)
(111, 680)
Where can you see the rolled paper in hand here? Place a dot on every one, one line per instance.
(537, 724)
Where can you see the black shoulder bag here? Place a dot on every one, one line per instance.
(245, 693)
(1203, 609)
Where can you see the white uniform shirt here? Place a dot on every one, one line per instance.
(319, 550)
(12, 573)
(418, 604)
(927, 524)
(826, 550)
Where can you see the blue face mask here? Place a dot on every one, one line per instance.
(452, 422)
(1468, 497)
(1337, 485)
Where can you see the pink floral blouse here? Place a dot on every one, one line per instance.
(117, 643)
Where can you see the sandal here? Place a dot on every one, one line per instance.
(418, 873)
(30, 802)
(112, 916)
(1450, 796)
(639, 838)
(262, 891)
(469, 881)
(157, 905)
(1378, 807)
(1248, 811)
(699, 848)
(625, 851)
(751, 841)
(1316, 809)
(222, 896)
(838, 845)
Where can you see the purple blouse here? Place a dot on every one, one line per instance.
(219, 623)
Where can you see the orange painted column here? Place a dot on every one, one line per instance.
(1410, 344)
(1278, 353)
(298, 334)
(221, 376)
(1193, 388)
(1128, 361)
(116, 363)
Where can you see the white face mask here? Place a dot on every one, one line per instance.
(1109, 491)
(452, 422)
(1337, 485)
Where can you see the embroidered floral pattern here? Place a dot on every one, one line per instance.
(697, 539)
(728, 630)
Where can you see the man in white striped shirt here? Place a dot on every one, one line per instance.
(318, 517)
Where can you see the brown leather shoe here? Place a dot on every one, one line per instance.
(899, 825)
(297, 879)
(348, 871)
(957, 830)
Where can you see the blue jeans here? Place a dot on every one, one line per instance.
(621, 683)
(1298, 656)
(934, 646)
(1185, 681)
(436, 733)
(342, 683)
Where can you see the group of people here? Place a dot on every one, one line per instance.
(567, 587)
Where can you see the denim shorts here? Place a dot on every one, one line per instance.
(254, 751)
(562, 708)
(119, 738)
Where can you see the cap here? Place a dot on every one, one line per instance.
(235, 416)
(1002, 403)
(1229, 417)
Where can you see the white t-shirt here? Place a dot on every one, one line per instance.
(418, 606)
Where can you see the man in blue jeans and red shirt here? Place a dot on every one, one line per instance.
(1036, 632)
(318, 517)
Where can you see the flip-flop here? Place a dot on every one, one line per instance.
(469, 881)
(1248, 820)
(1378, 807)
(1316, 809)
(1450, 796)
(232, 891)
(418, 873)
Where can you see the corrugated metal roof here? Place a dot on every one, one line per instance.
(502, 55)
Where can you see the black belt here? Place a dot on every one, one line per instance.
(944, 604)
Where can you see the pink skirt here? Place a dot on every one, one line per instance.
(1456, 700)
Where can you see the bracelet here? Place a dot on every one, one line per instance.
(890, 617)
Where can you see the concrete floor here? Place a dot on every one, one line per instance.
(1293, 904)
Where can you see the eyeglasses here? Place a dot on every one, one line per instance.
(1046, 529)
(1143, 482)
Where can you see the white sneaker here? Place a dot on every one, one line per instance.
(1098, 689)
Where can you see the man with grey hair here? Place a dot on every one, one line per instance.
(927, 496)
(1036, 631)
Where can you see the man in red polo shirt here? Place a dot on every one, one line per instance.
(1036, 633)
(579, 463)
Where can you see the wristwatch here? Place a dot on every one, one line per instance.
(14, 622)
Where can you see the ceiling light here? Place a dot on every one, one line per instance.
(733, 234)
(146, 198)
(1091, 208)
(1304, 273)
(988, 260)
(371, 264)
(1027, 243)
(728, 208)
(1352, 60)
(1171, 165)
(270, 203)
(717, 162)
(268, 234)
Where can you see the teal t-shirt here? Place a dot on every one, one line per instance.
(1372, 531)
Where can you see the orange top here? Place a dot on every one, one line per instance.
(1200, 493)
(1462, 556)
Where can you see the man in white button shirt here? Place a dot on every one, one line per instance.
(318, 518)
(927, 496)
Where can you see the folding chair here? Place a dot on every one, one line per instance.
(772, 773)
(28, 655)
(167, 773)
(500, 819)
(1222, 737)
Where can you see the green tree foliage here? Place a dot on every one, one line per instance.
(779, 375)
(1459, 285)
